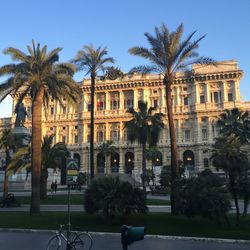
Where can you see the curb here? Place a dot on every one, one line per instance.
(164, 237)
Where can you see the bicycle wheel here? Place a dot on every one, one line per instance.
(82, 241)
(54, 243)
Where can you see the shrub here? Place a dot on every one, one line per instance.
(204, 196)
(113, 197)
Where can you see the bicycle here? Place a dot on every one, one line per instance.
(81, 241)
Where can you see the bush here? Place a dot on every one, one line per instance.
(204, 196)
(113, 197)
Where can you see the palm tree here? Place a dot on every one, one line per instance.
(107, 149)
(235, 122)
(168, 54)
(6, 141)
(51, 158)
(144, 127)
(92, 61)
(228, 156)
(37, 74)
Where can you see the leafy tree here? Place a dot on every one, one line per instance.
(144, 127)
(228, 156)
(168, 54)
(113, 197)
(37, 74)
(204, 195)
(92, 61)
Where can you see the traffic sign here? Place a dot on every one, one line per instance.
(72, 170)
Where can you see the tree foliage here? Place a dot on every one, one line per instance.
(113, 197)
(204, 195)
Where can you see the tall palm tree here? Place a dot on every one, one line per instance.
(37, 74)
(6, 141)
(228, 156)
(168, 55)
(92, 61)
(144, 127)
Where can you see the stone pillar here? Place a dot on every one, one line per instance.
(69, 135)
(163, 98)
(121, 100)
(107, 100)
(236, 91)
(107, 137)
(224, 92)
(197, 123)
(197, 93)
(121, 132)
(210, 133)
(207, 93)
(122, 161)
(135, 99)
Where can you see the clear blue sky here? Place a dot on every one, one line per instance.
(120, 24)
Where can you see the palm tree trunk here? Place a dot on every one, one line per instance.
(144, 166)
(235, 197)
(92, 169)
(36, 151)
(173, 145)
(43, 184)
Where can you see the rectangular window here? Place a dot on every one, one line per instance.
(230, 97)
(155, 103)
(64, 110)
(89, 107)
(187, 135)
(76, 139)
(202, 99)
(185, 101)
(204, 134)
(52, 110)
(216, 97)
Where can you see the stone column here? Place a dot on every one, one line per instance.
(236, 91)
(107, 100)
(122, 161)
(224, 92)
(197, 123)
(121, 98)
(197, 93)
(210, 134)
(121, 132)
(135, 99)
(207, 93)
(163, 98)
(107, 137)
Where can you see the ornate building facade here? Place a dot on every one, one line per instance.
(199, 97)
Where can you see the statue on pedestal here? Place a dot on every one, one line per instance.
(21, 114)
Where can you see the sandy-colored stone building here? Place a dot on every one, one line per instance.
(199, 96)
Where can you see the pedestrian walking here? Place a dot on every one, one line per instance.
(55, 186)
(52, 186)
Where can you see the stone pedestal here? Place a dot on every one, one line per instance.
(24, 133)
